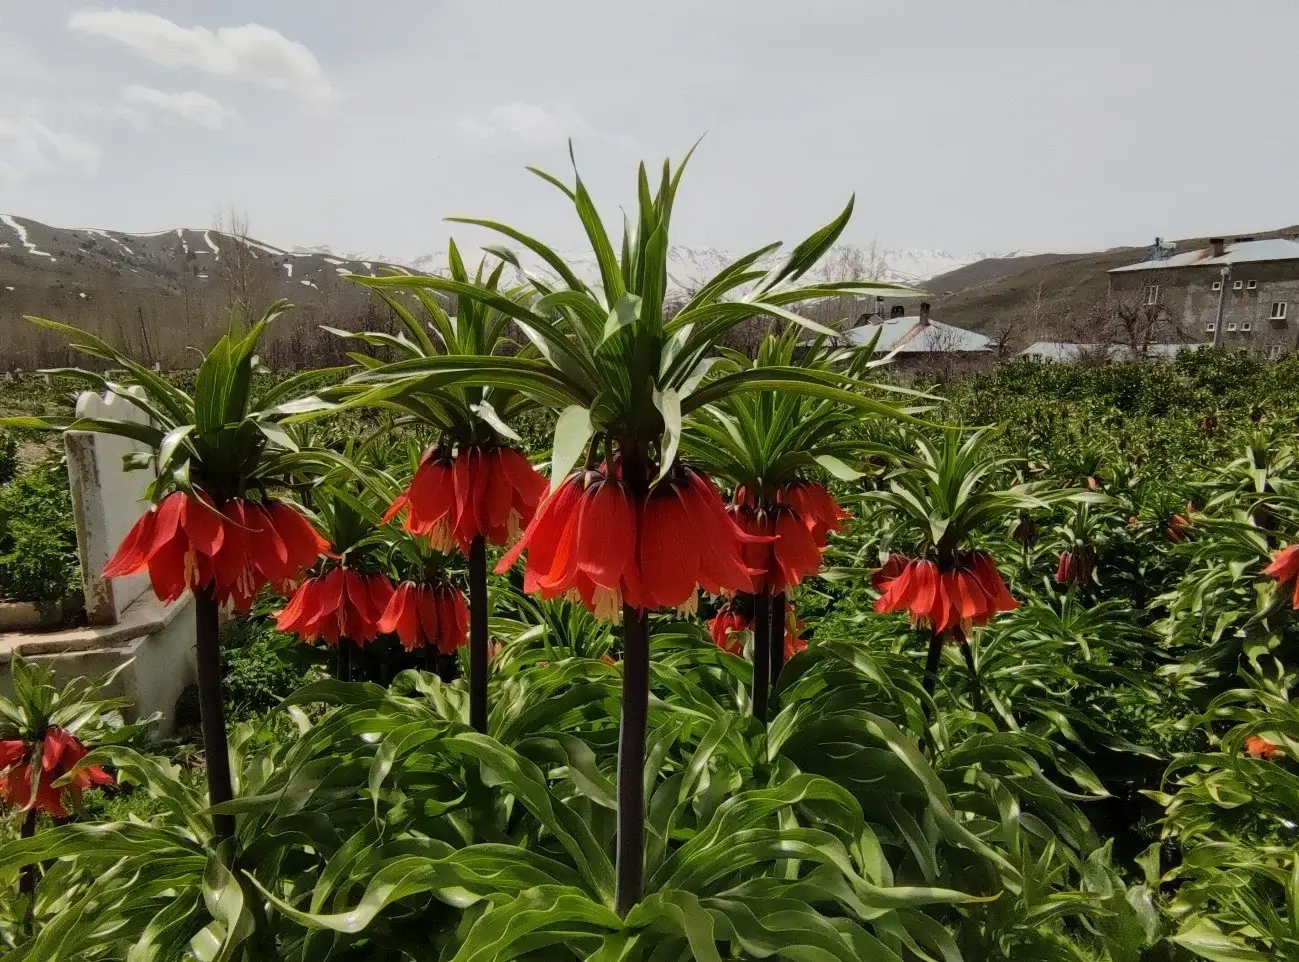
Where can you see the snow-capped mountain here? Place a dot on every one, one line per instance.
(690, 267)
(81, 260)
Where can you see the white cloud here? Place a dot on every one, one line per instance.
(251, 53)
(529, 124)
(28, 148)
(197, 108)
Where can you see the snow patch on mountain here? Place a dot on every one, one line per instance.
(21, 231)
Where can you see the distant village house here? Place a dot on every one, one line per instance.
(1238, 295)
(917, 339)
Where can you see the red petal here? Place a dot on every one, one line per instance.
(11, 750)
(795, 549)
(968, 598)
(926, 587)
(132, 554)
(303, 542)
(1285, 564)
(168, 522)
(552, 556)
(990, 580)
(427, 605)
(395, 508)
(497, 498)
(528, 485)
(604, 540)
(722, 542)
(942, 614)
(392, 612)
(463, 471)
(294, 615)
(669, 549)
(540, 536)
(203, 527)
(167, 571)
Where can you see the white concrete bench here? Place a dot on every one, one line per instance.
(126, 620)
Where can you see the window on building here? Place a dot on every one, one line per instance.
(1244, 325)
(1152, 294)
(1274, 352)
(1238, 286)
(1217, 285)
(1231, 325)
(1211, 327)
(1278, 310)
(1250, 285)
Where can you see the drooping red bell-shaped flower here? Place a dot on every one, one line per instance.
(60, 752)
(782, 549)
(726, 627)
(341, 605)
(1285, 569)
(424, 616)
(186, 542)
(815, 505)
(790, 530)
(487, 491)
(593, 540)
(1075, 567)
(967, 594)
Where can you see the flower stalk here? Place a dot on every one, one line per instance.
(630, 865)
(478, 655)
(778, 615)
(762, 654)
(212, 710)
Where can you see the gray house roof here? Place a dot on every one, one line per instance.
(1238, 252)
(1066, 353)
(906, 335)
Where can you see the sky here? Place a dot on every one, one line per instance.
(1000, 125)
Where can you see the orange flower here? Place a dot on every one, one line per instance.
(788, 535)
(60, 751)
(1285, 568)
(727, 624)
(968, 594)
(493, 492)
(1260, 747)
(343, 604)
(427, 615)
(185, 542)
(730, 622)
(594, 542)
(820, 512)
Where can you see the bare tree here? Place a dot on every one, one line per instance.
(1001, 334)
(1138, 324)
(243, 274)
(943, 358)
(847, 262)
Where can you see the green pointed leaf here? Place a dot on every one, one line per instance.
(573, 432)
(668, 403)
(838, 468)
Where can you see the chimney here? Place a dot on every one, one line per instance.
(924, 315)
(1218, 245)
(879, 305)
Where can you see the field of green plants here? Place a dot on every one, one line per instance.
(769, 658)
